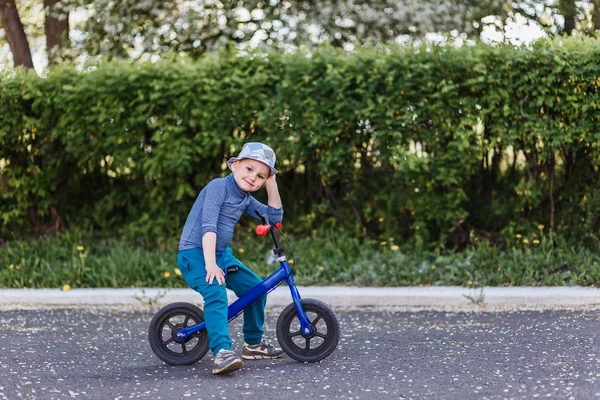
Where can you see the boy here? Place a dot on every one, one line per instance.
(207, 263)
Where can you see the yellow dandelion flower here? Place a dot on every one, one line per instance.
(536, 241)
(383, 243)
(291, 262)
(391, 239)
(321, 268)
(540, 227)
(66, 287)
(12, 266)
(469, 283)
(380, 220)
(241, 250)
(433, 267)
(177, 271)
(30, 281)
(525, 241)
(518, 235)
(18, 267)
(80, 248)
(499, 269)
(395, 248)
(167, 274)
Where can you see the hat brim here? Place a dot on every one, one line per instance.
(233, 159)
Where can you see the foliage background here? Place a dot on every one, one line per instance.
(435, 147)
(434, 142)
(432, 165)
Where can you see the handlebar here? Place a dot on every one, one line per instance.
(261, 230)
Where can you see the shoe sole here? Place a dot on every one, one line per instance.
(258, 357)
(234, 366)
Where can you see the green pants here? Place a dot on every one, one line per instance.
(192, 266)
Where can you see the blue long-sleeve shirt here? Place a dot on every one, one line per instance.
(218, 209)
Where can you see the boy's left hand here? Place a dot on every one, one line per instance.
(273, 192)
(270, 182)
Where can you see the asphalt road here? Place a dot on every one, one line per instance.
(103, 353)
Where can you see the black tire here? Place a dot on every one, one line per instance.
(315, 347)
(165, 324)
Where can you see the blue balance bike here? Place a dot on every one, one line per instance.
(307, 329)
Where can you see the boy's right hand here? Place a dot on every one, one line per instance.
(214, 272)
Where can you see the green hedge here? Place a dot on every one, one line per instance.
(429, 144)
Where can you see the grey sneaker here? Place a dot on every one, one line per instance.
(260, 351)
(225, 362)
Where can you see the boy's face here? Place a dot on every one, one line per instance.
(250, 175)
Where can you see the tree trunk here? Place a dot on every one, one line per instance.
(568, 10)
(596, 14)
(15, 34)
(56, 27)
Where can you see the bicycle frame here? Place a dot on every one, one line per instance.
(284, 273)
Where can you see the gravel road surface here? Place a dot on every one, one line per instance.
(385, 353)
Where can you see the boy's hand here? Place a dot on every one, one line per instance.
(271, 181)
(274, 200)
(214, 272)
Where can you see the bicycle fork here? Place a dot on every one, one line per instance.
(305, 325)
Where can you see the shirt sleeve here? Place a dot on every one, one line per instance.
(215, 196)
(275, 215)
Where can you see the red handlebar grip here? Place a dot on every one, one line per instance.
(261, 230)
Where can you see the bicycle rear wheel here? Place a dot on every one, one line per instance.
(163, 339)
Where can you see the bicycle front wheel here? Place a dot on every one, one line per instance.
(316, 346)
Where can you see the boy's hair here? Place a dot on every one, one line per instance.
(259, 152)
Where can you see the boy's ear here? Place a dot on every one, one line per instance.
(234, 165)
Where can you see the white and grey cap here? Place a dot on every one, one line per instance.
(256, 151)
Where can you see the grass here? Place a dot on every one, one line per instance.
(79, 260)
